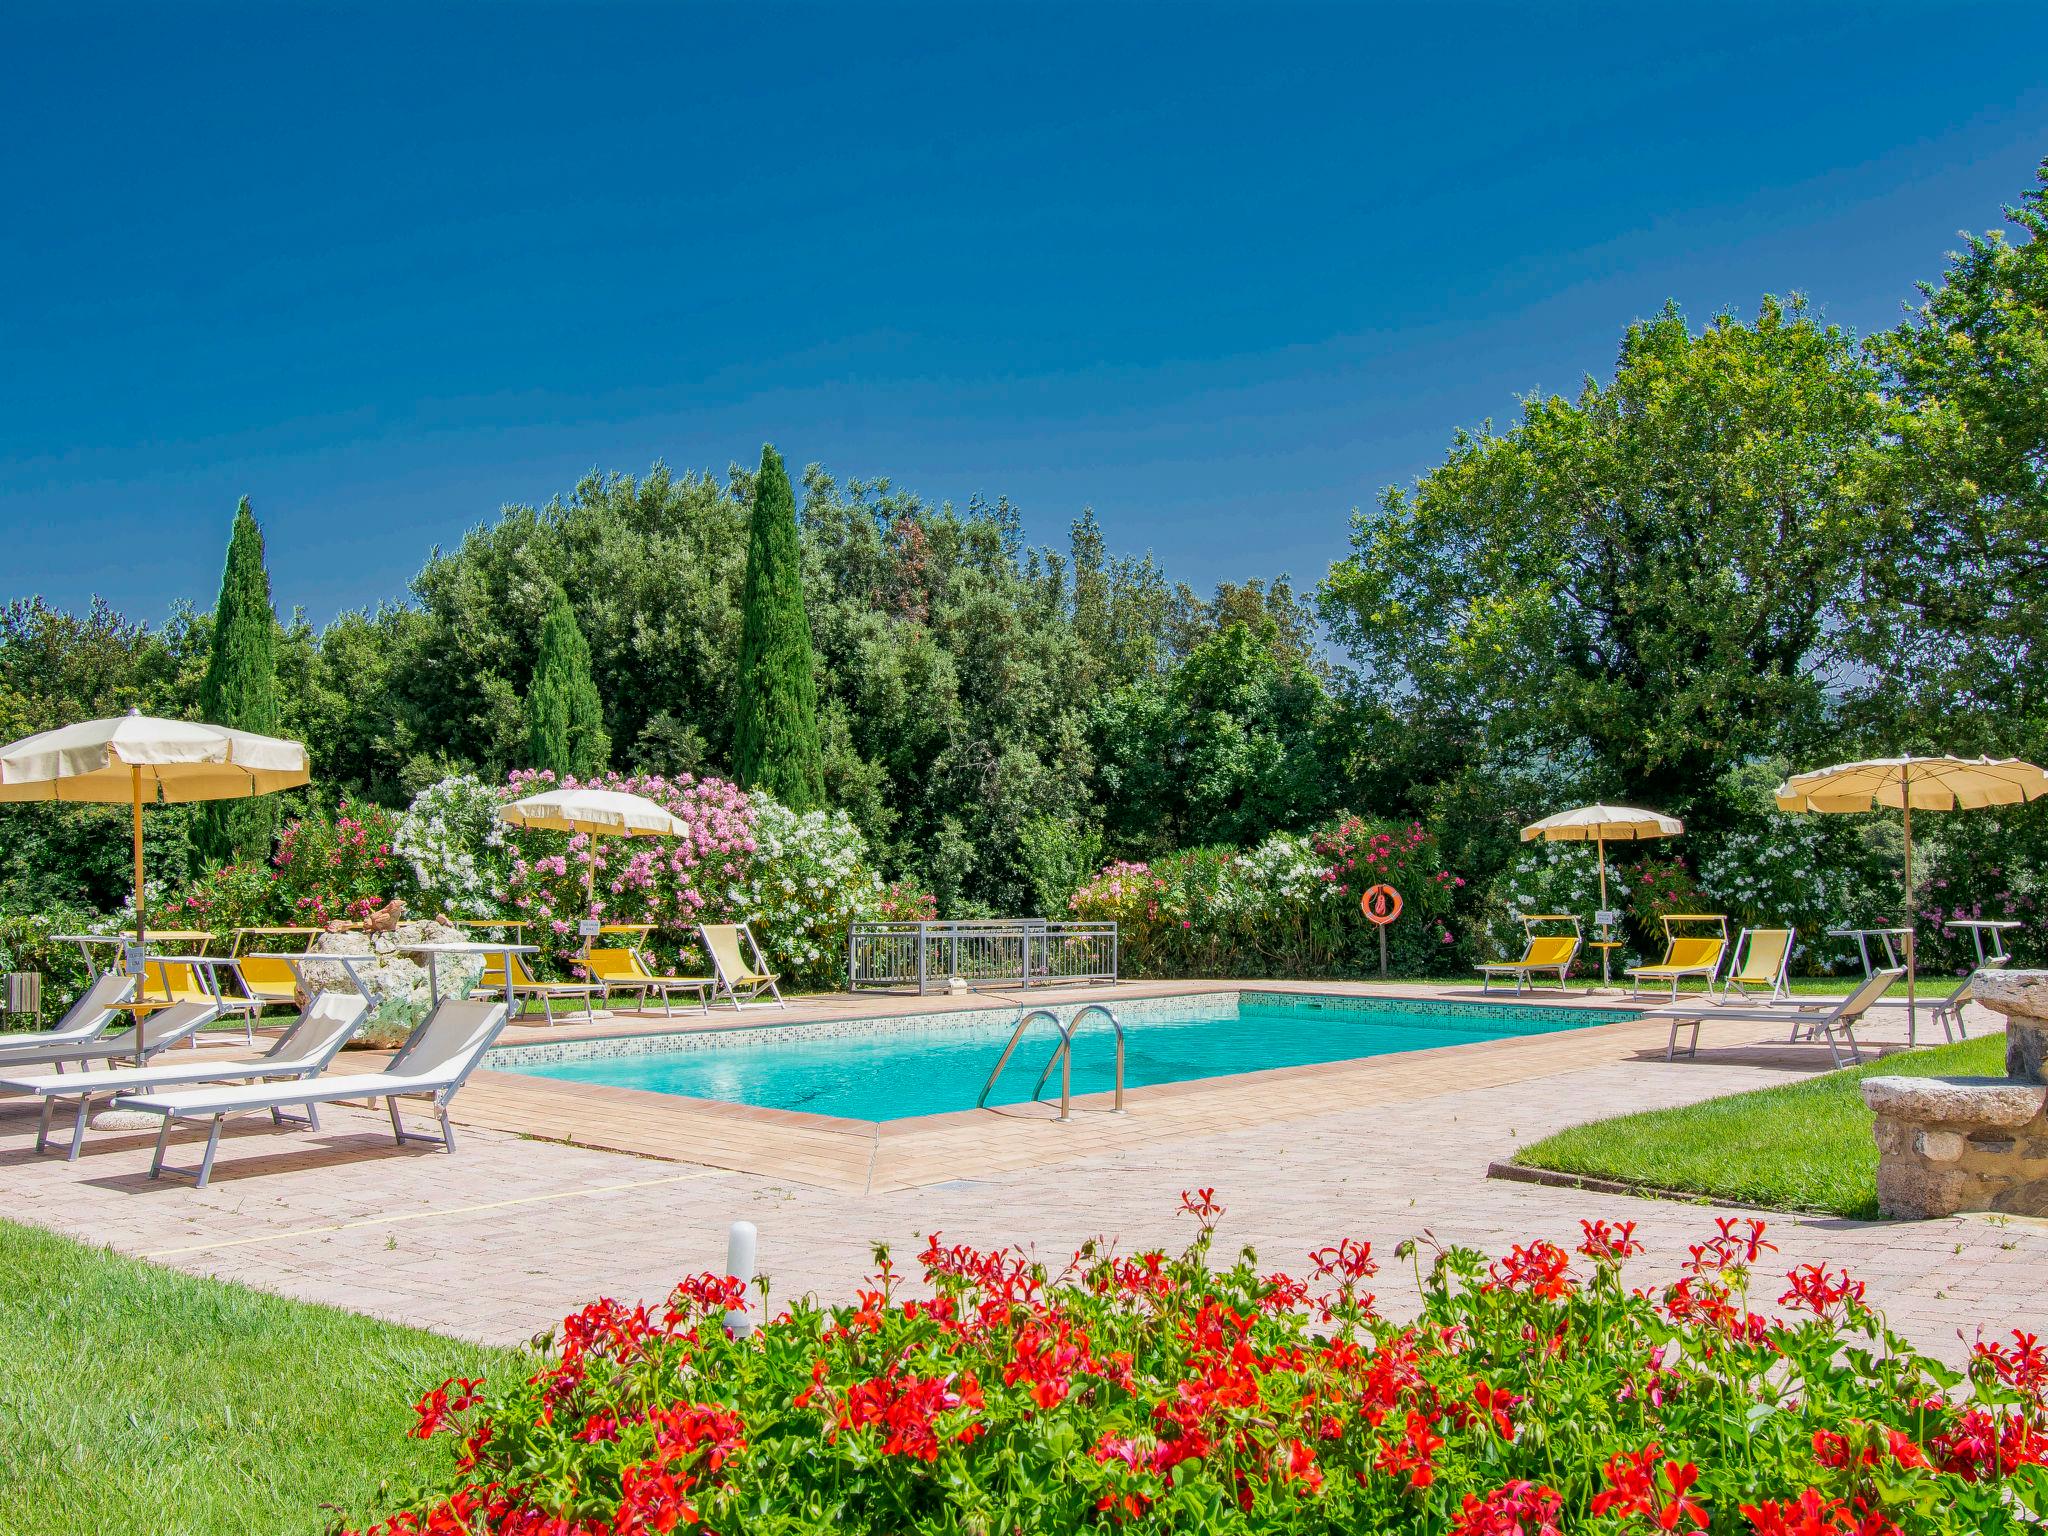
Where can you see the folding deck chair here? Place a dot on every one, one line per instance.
(433, 1064)
(1545, 952)
(301, 1051)
(1686, 955)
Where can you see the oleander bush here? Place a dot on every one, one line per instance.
(800, 880)
(1287, 907)
(1542, 1392)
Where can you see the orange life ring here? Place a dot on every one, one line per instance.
(1381, 904)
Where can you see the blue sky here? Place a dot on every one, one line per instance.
(1220, 273)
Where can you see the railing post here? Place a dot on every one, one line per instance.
(922, 966)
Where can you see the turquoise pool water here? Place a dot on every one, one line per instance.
(891, 1069)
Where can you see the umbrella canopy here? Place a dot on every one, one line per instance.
(136, 759)
(1926, 783)
(1600, 825)
(171, 760)
(600, 812)
(597, 812)
(1910, 784)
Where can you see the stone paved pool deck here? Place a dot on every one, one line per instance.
(499, 1240)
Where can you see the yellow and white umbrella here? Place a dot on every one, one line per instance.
(1909, 784)
(596, 813)
(1601, 825)
(137, 760)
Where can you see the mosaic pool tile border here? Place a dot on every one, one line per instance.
(1558, 1015)
(511, 1058)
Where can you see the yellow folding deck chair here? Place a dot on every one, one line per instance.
(735, 971)
(625, 969)
(1544, 952)
(526, 987)
(1686, 955)
(1762, 958)
(271, 981)
(171, 979)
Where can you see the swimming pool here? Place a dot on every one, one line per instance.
(896, 1068)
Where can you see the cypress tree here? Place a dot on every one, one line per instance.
(239, 689)
(564, 716)
(775, 729)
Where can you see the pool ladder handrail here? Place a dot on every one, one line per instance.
(1062, 1056)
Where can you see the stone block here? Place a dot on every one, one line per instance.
(1992, 1143)
(1939, 1146)
(1960, 1101)
(1913, 1192)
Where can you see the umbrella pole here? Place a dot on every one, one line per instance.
(141, 942)
(1912, 1021)
(1600, 858)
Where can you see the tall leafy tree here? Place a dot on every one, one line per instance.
(239, 689)
(1956, 644)
(775, 728)
(564, 716)
(1657, 572)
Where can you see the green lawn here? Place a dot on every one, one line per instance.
(1803, 1146)
(136, 1398)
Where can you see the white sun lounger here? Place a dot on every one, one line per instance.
(164, 1028)
(301, 1051)
(1820, 1018)
(90, 1016)
(433, 1064)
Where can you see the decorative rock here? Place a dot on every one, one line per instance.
(2022, 996)
(1957, 1101)
(389, 973)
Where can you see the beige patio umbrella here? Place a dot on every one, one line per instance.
(136, 760)
(596, 813)
(1914, 784)
(1600, 825)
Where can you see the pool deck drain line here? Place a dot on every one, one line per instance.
(433, 1212)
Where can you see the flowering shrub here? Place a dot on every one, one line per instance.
(337, 867)
(457, 846)
(673, 883)
(231, 896)
(807, 884)
(1535, 1394)
(741, 858)
(1287, 907)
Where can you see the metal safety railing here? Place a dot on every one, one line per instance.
(982, 952)
(1062, 1057)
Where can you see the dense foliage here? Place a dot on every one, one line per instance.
(564, 717)
(775, 731)
(1758, 546)
(239, 688)
(1538, 1393)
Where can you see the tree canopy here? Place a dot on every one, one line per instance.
(775, 728)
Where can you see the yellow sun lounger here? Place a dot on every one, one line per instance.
(625, 970)
(1686, 955)
(271, 980)
(526, 987)
(1545, 952)
(1762, 959)
(197, 979)
(736, 973)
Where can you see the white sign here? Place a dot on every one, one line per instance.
(1607, 919)
(589, 928)
(133, 956)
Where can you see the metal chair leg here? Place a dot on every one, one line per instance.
(78, 1128)
(163, 1138)
(212, 1146)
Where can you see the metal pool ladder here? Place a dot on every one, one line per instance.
(1062, 1057)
